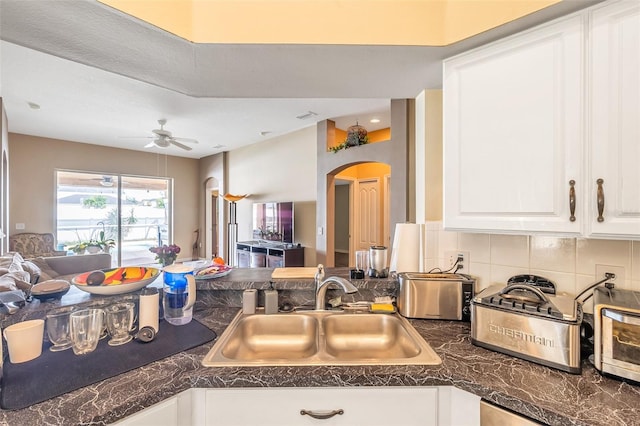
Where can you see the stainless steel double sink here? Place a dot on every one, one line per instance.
(320, 338)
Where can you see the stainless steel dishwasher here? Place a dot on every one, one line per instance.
(492, 415)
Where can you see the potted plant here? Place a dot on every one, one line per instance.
(93, 246)
(78, 248)
(105, 244)
(166, 255)
(102, 243)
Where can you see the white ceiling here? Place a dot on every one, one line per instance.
(100, 76)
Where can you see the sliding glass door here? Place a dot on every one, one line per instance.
(123, 214)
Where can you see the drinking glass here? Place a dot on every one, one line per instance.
(85, 326)
(101, 304)
(58, 329)
(120, 322)
(362, 260)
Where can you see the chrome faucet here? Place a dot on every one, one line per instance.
(321, 289)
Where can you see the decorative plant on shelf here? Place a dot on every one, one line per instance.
(166, 255)
(356, 136)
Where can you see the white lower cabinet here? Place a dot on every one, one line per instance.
(340, 406)
(174, 411)
(423, 406)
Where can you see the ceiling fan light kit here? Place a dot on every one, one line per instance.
(164, 139)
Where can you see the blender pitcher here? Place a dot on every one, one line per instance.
(378, 262)
(179, 294)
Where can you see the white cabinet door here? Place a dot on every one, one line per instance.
(512, 132)
(614, 115)
(174, 411)
(370, 406)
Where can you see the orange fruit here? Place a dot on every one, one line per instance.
(218, 260)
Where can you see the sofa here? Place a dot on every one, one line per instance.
(18, 273)
(66, 267)
(31, 244)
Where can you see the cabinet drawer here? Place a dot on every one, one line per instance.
(360, 406)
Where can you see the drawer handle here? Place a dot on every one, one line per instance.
(322, 415)
(572, 200)
(600, 200)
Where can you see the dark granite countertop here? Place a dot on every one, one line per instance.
(542, 393)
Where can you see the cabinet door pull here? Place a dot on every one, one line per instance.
(600, 200)
(322, 415)
(572, 200)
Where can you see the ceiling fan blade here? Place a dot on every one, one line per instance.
(188, 140)
(136, 137)
(179, 145)
(150, 145)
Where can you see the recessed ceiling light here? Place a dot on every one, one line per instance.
(374, 120)
(33, 105)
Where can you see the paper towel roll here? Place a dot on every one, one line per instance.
(408, 248)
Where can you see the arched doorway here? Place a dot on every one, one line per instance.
(394, 152)
(361, 210)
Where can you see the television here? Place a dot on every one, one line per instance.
(273, 222)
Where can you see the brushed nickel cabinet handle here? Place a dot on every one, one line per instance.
(322, 415)
(600, 200)
(572, 200)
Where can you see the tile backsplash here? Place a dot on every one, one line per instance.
(569, 262)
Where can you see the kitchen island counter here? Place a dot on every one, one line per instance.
(547, 395)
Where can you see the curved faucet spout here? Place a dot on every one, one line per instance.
(321, 289)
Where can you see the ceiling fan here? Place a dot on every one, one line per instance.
(163, 138)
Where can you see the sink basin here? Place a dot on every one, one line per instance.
(272, 337)
(320, 338)
(368, 336)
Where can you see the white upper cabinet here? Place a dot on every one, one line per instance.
(614, 120)
(532, 122)
(512, 131)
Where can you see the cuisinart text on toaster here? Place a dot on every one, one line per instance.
(520, 335)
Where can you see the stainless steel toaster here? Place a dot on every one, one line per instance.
(435, 296)
(523, 321)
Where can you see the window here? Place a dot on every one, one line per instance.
(133, 211)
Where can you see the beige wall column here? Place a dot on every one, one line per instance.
(428, 158)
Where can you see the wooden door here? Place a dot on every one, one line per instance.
(368, 223)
